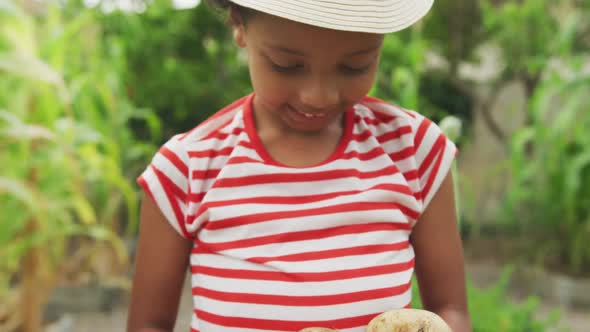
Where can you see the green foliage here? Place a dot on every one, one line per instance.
(182, 63)
(492, 310)
(400, 69)
(455, 30)
(531, 34)
(63, 136)
(550, 170)
(524, 30)
(543, 45)
(404, 79)
(185, 66)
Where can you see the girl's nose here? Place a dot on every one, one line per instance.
(319, 94)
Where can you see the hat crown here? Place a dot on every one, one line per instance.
(373, 16)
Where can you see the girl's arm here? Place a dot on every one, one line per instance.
(160, 269)
(439, 260)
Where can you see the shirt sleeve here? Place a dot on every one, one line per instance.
(166, 181)
(434, 154)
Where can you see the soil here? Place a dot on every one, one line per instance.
(503, 249)
(116, 319)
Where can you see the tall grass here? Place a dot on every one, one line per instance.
(66, 150)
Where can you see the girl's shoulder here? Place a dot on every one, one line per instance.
(204, 141)
(387, 115)
(216, 122)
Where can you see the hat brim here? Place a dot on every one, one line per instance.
(383, 16)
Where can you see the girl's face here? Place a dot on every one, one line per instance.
(305, 77)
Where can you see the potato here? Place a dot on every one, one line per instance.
(408, 320)
(318, 329)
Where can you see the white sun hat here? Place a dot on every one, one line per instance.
(374, 16)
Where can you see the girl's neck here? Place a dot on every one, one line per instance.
(293, 148)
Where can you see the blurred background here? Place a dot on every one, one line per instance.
(89, 90)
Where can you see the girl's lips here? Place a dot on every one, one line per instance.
(311, 115)
(308, 120)
(304, 116)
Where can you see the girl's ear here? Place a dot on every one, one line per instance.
(239, 35)
(238, 26)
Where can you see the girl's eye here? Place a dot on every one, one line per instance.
(285, 69)
(348, 70)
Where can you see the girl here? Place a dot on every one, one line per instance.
(305, 203)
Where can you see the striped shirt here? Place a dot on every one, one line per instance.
(279, 248)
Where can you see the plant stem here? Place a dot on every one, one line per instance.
(32, 287)
(31, 299)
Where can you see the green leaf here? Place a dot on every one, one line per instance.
(567, 35)
(404, 83)
(12, 222)
(26, 66)
(18, 27)
(29, 67)
(451, 127)
(28, 133)
(84, 210)
(98, 232)
(573, 176)
(19, 190)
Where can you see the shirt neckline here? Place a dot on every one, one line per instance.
(250, 128)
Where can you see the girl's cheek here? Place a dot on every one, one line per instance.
(274, 91)
(356, 91)
(270, 93)
(272, 101)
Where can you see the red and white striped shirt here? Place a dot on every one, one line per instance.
(279, 248)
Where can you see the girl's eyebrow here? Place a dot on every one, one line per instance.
(291, 51)
(365, 51)
(284, 49)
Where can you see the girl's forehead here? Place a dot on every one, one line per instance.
(286, 35)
